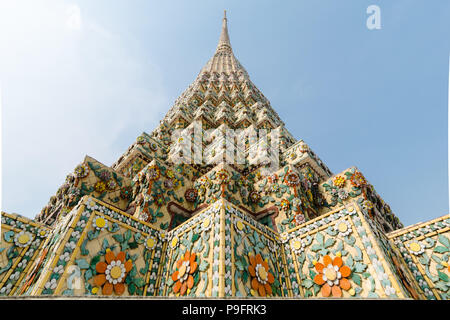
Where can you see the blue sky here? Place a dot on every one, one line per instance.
(87, 77)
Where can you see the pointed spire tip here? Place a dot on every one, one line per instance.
(224, 40)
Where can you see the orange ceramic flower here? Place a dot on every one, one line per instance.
(261, 277)
(332, 276)
(223, 175)
(186, 266)
(292, 179)
(273, 178)
(111, 274)
(284, 204)
(357, 179)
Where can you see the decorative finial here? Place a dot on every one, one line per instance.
(224, 40)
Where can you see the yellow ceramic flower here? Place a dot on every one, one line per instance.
(284, 204)
(174, 242)
(153, 173)
(339, 182)
(100, 187)
(169, 174)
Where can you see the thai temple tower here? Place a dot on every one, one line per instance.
(158, 222)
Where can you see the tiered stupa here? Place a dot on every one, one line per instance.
(151, 226)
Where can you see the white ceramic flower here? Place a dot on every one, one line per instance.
(148, 198)
(296, 202)
(343, 227)
(428, 292)
(284, 237)
(42, 233)
(91, 204)
(162, 235)
(342, 194)
(228, 290)
(381, 275)
(351, 210)
(298, 245)
(143, 216)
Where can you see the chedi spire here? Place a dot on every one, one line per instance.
(224, 40)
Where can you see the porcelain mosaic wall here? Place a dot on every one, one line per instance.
(147, 226)
(336, 255)
(21, 243)
(102, 252)
(193, 257)
(253, 257)
(425, 250)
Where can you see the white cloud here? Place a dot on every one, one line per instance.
(73, 21)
